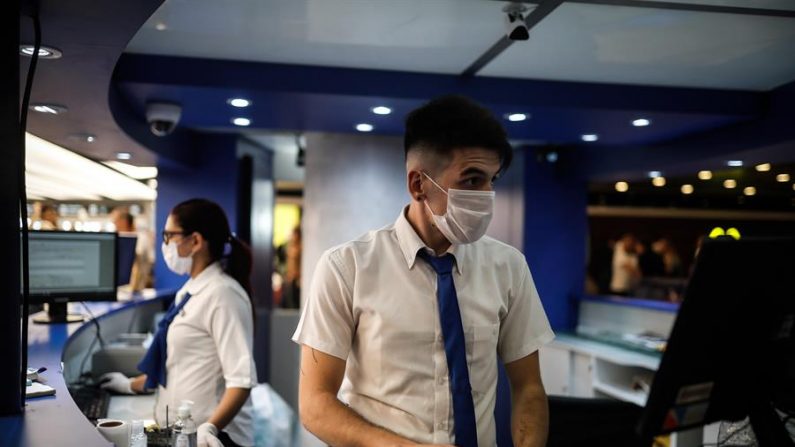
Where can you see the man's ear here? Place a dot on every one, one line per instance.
(414, 180)
(199, 240)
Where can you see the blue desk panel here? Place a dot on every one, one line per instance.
(56, 420)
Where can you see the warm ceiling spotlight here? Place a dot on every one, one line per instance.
(687, 189)
(590, 137)
(764, 167)
(44, 51)
(123, 155)
(658, 181)
(516, 117)
(240, 121)
(381, 110)
(364, 127)
(735, 163)
(729, 183)
(654, 174)
(622, 186)
(704, 175)
(749, 191)
(239, 102)
(641, 122)
(782, 178)
(52, 109)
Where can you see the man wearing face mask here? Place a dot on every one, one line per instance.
(413, 316)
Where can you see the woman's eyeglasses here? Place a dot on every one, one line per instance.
(167, 235)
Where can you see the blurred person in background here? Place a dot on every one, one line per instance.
(626, 265)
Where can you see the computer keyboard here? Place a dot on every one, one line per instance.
(92, 401)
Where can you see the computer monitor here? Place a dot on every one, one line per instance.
(70, 266)
(127, 243)
(731, 353)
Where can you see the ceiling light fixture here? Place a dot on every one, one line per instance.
(704, 175)
(654, 174)
(364, 127)
(622, 186)
(516, 117)
(45, 52)
(590, 137)
(641, 122)
(729, 183)
(782, 178)
(239, 102)
(687, 189)
(123, 155)
(735, 163)
(240, 121)
(160, 26)
(381, 110)
(658, 181)
(52, 109)
(764, 167)
(749, 191)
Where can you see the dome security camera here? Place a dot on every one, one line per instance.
(163, 117)
(515, 27)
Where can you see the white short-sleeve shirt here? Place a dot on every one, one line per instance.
(373, 303)
(210, 347)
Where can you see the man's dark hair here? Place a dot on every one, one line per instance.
(453, 122)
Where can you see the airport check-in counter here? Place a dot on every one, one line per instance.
(66, 351)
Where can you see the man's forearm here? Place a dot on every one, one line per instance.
(530, 418)
(338, 425)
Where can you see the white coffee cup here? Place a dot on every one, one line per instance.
(115, 431)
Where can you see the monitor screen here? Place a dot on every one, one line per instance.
(72, 265)
(127, 243)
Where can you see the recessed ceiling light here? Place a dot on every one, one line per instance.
(240, 121)
(622, 186)
(590, 137)
(123, 155)
(735, 163)
(381, 110)
(90, 138)
(729, 183)
(239, 102)
(160, 26)
(749, 191)
(44, 51)
(53, 109)
(764, 167)
(516, 117)
(687, 189)
(641, 122)
(704, 175)
(658, 181)
(782, 178)
(654, 174)
(364, 127)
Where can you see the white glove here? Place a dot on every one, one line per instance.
(116, 382)
(207, 436)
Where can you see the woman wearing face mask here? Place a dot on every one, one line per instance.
(202, 350)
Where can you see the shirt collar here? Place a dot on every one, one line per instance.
(410, 243)
(208, 275)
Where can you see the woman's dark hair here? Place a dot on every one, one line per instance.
(453, 122)
(208, 219)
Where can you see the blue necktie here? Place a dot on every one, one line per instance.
(154, 361)
(455, 348)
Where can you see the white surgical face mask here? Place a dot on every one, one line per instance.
(176, 263)
(468, 214)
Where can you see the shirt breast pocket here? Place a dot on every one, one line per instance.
(482, 356)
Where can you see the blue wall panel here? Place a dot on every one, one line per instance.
(213, 177)
(555, 232)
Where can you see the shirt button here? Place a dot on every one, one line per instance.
(440, 425)
(439, 338)
(440, 380)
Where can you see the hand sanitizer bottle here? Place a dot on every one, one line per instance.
(185, 427)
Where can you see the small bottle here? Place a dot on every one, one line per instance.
(185, 427)
(137, 434)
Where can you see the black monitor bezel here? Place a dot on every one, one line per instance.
(78, 296)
